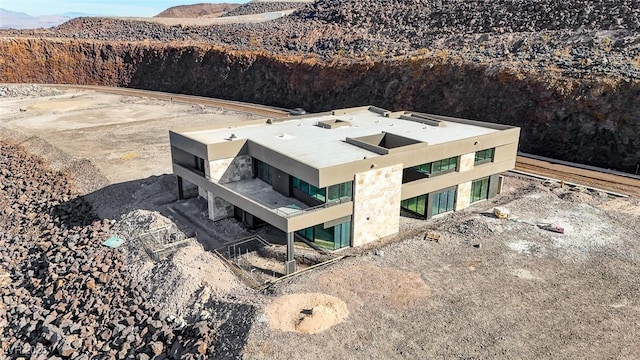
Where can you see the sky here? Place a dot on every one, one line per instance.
(99, 7)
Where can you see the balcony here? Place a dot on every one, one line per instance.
(259, 199)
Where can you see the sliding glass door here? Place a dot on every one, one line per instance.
(443, 202)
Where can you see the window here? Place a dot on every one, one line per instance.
(415, 205)
(484, 156)
(479, 190)
(305, 187)
(263, 171)
(436, 167)
(331, 238)
(443, 202)
(340, 191)
(198, 163)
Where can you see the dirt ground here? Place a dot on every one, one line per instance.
(489, 288)
(125, 138)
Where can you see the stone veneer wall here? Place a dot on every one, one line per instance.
(467, 162)
(463, 192)
(219, 208)
(376, 199)
(225, 171)
(230, 169)
(463, 196)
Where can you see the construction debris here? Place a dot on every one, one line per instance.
(113, 242)
(432, 236)
(501, 212)
(552, 227)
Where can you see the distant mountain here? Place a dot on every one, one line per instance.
(18, 20)
(73, 14)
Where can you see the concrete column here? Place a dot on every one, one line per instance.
(180, 188)
(203, 193)
(463, 196)
(219, 208)
(290, 264)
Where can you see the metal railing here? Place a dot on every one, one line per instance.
(287, 214)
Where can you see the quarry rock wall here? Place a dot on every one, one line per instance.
(592, 121)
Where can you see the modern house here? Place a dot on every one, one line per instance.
(340, 178)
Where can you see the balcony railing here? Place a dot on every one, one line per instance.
(297, 212)
(291, 212)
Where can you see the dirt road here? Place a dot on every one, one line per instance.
(616, 183)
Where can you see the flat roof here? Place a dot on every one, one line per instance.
(301, 139)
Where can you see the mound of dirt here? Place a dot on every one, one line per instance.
(307, 313)
(383, 285)
(191, 275)
(576, 196)
(197, 10)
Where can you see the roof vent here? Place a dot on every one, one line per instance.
(333, 124)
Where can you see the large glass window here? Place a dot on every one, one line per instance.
(415, 204)
(340, 191)
(440, 166)
(443, 202)
(305, 187)
(479, 189)
(484, 156)
(334, 237)
(263, 171)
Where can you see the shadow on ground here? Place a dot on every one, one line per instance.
(232, 321)
(157, 193)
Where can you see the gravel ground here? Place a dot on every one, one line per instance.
(497, 288)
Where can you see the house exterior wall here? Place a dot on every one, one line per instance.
(376, 198)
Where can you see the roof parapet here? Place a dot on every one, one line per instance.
(424, 119)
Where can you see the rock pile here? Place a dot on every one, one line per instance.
(260, 7)
(66, 296)
(125, 30)
(27, 90)
(402, 18)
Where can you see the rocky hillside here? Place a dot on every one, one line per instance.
(197, 10)
(570, 78)
(67, 296)
(258, 7)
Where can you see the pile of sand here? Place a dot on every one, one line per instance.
(307, 313)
